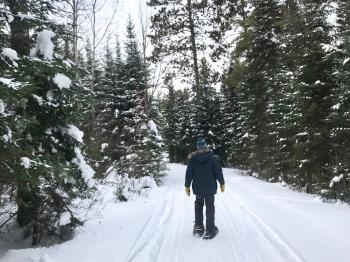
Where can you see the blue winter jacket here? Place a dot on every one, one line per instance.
(203, 170)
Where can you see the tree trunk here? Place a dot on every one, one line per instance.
(193, 48)
(27, 199)
(75, 30)
(92, 113)
(20, 40)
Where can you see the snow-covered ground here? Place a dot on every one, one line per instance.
(258, 221)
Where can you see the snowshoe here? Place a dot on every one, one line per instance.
(198, 231)
(210, 234)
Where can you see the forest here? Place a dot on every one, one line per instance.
(265, 82)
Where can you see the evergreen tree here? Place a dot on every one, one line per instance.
(185, 133)
(228, 114)
(42, 159)
(256, 59)
(105, 112)
(314, 99)
(182, 29)
(171, 119)
(207, 110)
(340, 113)
(139, 138)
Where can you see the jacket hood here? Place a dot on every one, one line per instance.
(201, 157)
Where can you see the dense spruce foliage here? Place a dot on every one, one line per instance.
(42, 167)
(283, 107)
(54, 112)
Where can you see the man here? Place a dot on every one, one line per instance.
(203, 170)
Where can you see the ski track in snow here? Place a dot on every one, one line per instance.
(258, 222)
(276, 245)
(150, 239)
(241, 230)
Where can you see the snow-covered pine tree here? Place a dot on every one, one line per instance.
(340, 113)
(207, 110)
(183, 29)
(185, 133)
(283, 112)
(139, 137)
(120, 100)
(262, 65)
(238, 106)
(171, 121)
(105, 112)
(228, 114)
(155, 144)
(251, 76)
(90, 78)
(43, 162)
(312, 147)
(219, 126)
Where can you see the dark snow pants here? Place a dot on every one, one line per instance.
(209, 211)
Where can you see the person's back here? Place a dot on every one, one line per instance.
(203, 171)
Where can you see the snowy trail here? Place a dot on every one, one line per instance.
(242, 236)
(258, 222)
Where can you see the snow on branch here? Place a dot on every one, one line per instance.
(74, 132)
(44, 45)
(62, 81)
(10, 17)
(86, 171)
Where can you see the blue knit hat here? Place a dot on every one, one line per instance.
(201, 144)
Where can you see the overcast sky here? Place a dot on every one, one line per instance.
(125, 8)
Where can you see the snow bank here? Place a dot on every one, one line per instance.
(44, 45)
(86, 171)
(62, 81)
(128, 188)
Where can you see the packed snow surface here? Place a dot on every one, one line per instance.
(258, 222)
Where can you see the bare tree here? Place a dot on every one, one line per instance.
(144, 20)
(75, 10)
(96, 7)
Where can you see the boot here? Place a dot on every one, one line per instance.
(210, 234)
(198, 231)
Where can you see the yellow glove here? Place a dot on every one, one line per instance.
(222, 187)
(188, 191)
